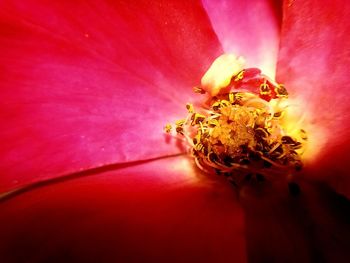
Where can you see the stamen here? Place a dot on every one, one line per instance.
(189, 107)
(239, 131)
(167, 128)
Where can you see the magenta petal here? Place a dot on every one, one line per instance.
(87, 83)
(247, 28)
(153, 212)
(314, 63)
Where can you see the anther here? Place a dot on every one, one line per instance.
(241, 132)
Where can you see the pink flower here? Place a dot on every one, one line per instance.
(85, 89)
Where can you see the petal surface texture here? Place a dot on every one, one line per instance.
(160, 215)
(314, 62)
(249, 29)
(88, 83)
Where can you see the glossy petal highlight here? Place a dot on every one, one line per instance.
(249, 29)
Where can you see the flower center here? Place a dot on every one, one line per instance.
(239, 131)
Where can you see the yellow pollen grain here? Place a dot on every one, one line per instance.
(167, 128)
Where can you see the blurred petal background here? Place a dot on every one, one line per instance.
(87, 174)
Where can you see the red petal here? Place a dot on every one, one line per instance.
(166, 214)
(309, 227)
(314, 61)
(92, 82)
(162, 214)
(249, 29)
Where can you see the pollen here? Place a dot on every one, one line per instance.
(240, 131)
(167, 128)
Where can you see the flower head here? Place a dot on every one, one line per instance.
(86, 87)
(242, 128)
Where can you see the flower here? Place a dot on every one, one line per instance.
(86, 87)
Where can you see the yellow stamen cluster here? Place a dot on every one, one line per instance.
(239, 134)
